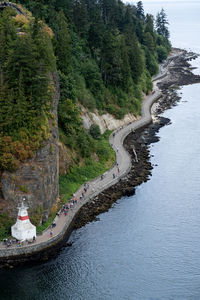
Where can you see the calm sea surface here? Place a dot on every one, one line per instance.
(147, 247)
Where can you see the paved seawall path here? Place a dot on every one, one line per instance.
(112, 176)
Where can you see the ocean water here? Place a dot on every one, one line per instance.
(183, 18)
(146, 247)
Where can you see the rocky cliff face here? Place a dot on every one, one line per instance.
(105, 121)
(37, 178)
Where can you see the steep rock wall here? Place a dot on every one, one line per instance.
(37, 178)
(65, 159)
(105, 121)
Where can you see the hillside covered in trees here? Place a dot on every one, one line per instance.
(105, 53)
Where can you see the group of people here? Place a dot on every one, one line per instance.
(85, 189)
(9, 242)
(73, 201)
(120, 128)
(69, 205)
(66, 207)
(12, 242)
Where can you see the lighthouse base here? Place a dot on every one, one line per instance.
(23, 231)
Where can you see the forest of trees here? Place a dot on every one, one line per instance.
(26, 58)
(105, 52)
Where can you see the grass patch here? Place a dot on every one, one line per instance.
(70, 182)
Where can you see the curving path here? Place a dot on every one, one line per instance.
(120, 168)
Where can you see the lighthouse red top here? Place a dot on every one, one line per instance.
(23, 218)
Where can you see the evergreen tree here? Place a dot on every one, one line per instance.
(149, 24)
(20, 108)
(62, 43)
(25, 59)
(161, 24)
(114, 64)
(6, 110)
(139, 31)
(162, 53)
(106, 9)
(140, 11)
(149, 42)
(129, 23)
(151, 63)
(7, 37)
(39, 8)
(67, 7)
(96, 33)
(80, 16)
(135, 56)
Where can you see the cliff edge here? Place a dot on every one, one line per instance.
(36, 178)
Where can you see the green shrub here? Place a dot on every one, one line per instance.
(24, 189)
(95, 131)
(162, 53)
(5, 225)
(70, 182)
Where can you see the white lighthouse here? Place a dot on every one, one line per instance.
(23, 229)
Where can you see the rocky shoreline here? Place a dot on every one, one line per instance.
(140, 170)
(178, 74)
